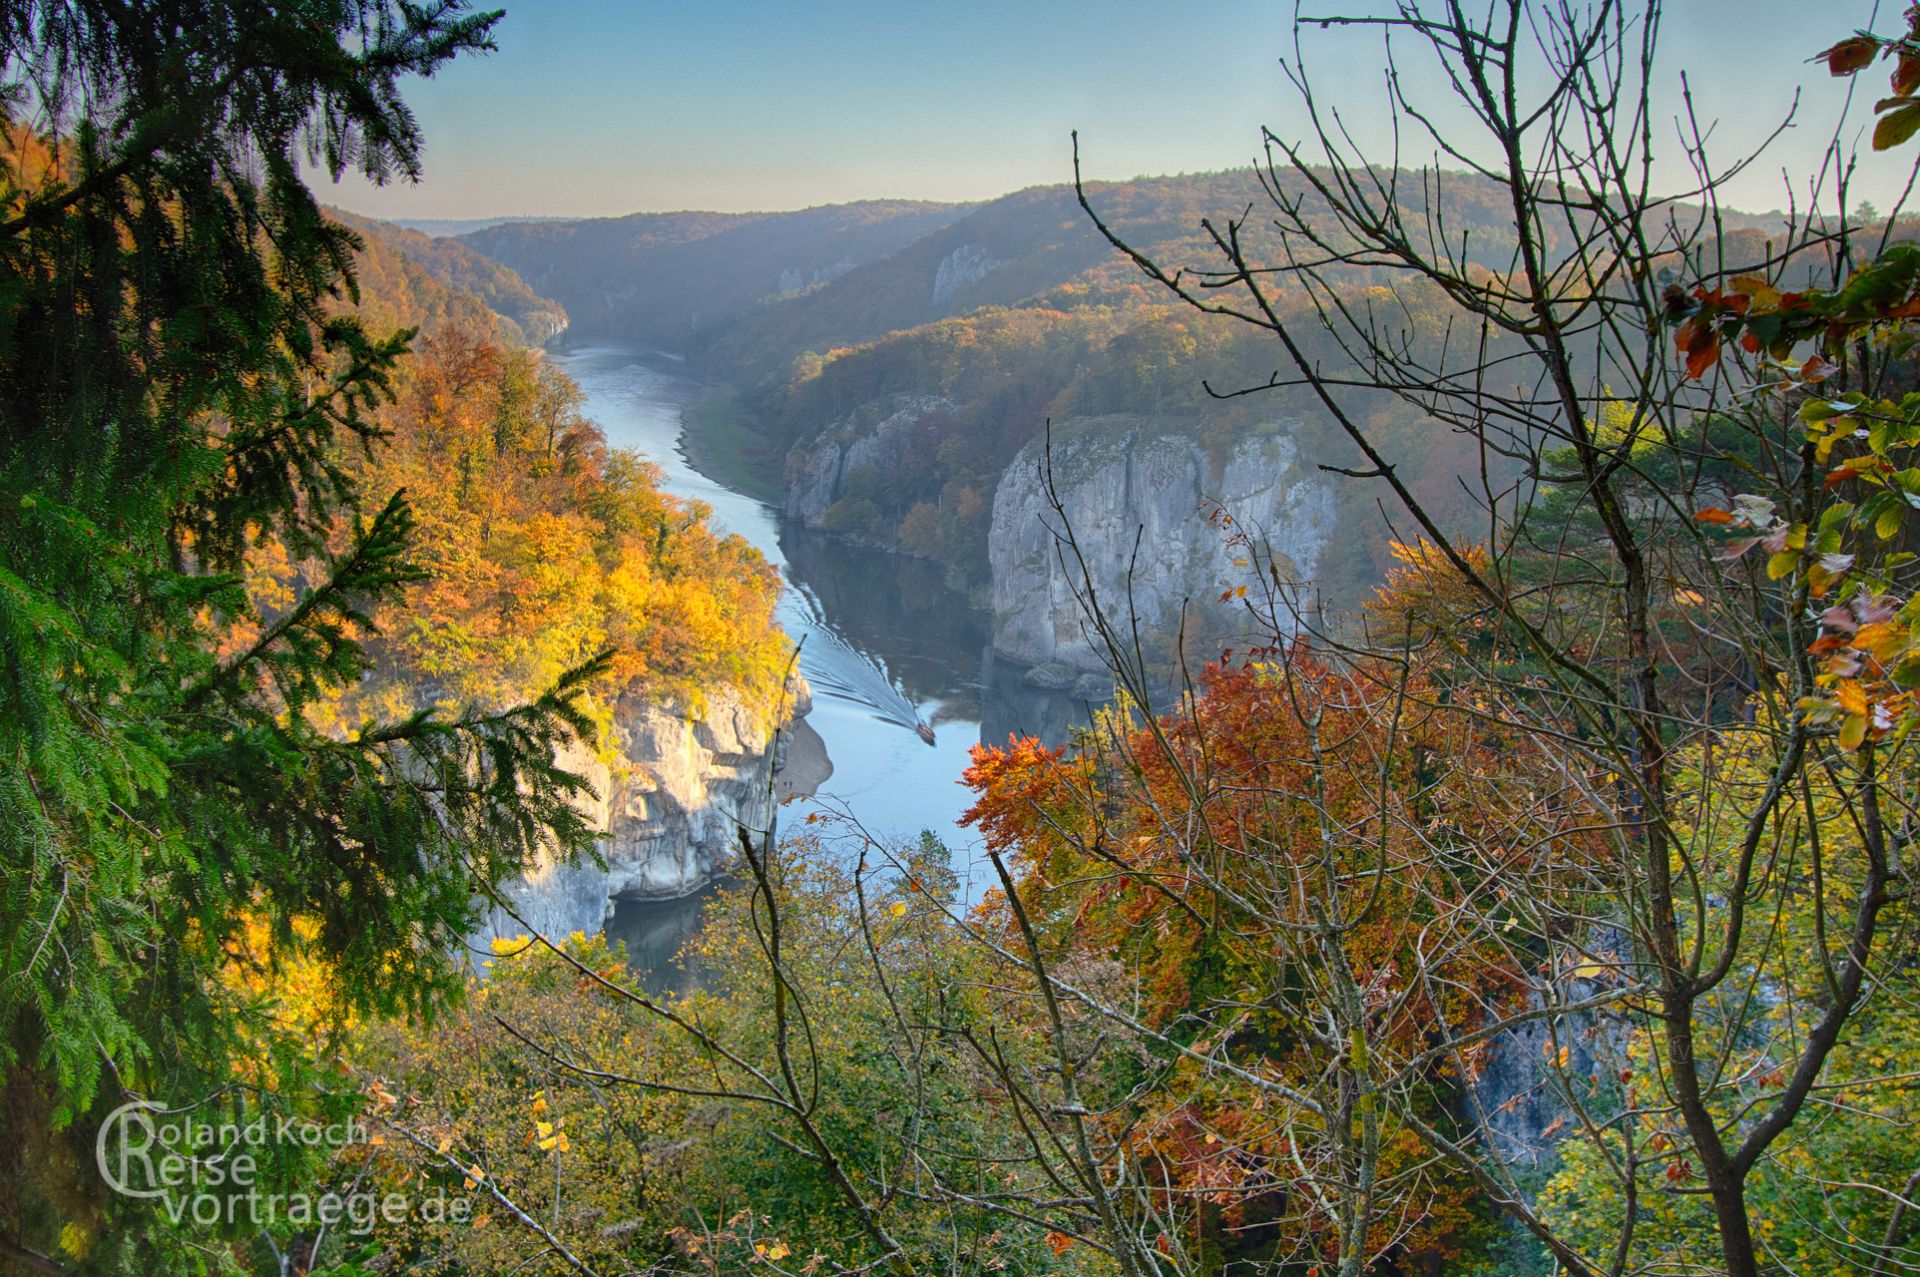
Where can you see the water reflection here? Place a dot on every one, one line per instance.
(655, 933)
(879, 626)
(1009, 707)
(929, 639)
(898, 607)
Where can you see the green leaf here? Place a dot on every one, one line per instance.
(1853, 732)
(1896, 127)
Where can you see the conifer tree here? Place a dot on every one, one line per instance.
(178, 384)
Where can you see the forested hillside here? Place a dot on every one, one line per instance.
(398, 269)
(540, 545)
(1034, 248)
(676, 279)
(984, 323)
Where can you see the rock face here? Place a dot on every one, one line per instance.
(817, 471)
(794, 279)
(671, 805)
(1519, 1097)
(1126, 478)
(965, 265)
(542, 324)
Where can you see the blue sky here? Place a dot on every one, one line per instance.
(599, 107)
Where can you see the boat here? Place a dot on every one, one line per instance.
(926, 733)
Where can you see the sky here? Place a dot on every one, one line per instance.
(603, 107)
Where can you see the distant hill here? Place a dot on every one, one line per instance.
(440, 227)
(1034, 248)
(679, 279)
(423, 279)
(885, 363)
(1037, 249)
(975, 325)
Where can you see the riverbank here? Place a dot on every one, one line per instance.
(718, 442)
(867, 619)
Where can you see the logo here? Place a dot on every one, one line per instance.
(210, 1173)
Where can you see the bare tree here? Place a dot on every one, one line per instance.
(1664, 677)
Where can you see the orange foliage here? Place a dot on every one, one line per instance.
(547, 547)
(1425, 595)
(1197, 850)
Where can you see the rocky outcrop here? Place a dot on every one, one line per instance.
(542, 324)
(817, 471)
(1520, 1094)
(795, 280)
(1127, 482)
(967, 264)
(672, 803)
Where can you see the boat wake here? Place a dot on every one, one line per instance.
(836, 667)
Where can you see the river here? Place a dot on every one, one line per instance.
(883, 638)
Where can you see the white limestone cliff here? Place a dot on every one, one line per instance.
(671, 804)
(1130, 481)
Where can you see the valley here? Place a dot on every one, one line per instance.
(884, 642)
(1348, 715)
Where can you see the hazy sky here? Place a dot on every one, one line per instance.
(597, 107)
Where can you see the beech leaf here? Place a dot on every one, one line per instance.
(1850, 55)
(1897, 126)
(1853, 732)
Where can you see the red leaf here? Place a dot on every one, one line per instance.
(1712, 515)
(1698, 361)
(1699, 342)
(1849, 56)
(1906, 74)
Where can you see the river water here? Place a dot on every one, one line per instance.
(883, 638)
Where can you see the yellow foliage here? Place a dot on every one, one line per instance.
(1426, 595)
(542, 548)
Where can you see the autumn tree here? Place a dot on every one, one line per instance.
(1598, 576)
(1278, 867)
(543, 546)
(178, 387)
